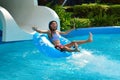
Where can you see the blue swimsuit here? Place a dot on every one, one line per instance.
(55, 37)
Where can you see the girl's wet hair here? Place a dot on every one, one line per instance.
(50, 25)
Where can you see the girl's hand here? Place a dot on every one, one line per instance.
(34, 28)
(73, 28)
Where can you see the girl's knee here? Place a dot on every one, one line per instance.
(73, 42)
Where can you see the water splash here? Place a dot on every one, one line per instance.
(96, 64)
(81, 59)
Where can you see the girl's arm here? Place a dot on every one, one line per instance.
(66, 32)
(40, 31)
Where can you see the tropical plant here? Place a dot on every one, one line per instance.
(64, 17)
(103, 20)
(80, 22)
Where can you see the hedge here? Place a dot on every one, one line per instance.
(80, 22)
(88, 15)
(84, 10)
(111, 1)
(114, 10)
(64, 16)
(99, 15)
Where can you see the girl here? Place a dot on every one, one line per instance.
(53, 34)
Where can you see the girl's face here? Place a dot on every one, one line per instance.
(54, 25)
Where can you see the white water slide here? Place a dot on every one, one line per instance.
(18, 16)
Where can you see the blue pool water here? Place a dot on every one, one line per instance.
(99, 60)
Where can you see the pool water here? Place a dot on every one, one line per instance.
(99, 60)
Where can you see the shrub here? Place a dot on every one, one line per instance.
(88, 15)
(99, 15)
(84, 10)
(114, 9)
(103, 20)
(80, 22)
(111, 1)
(64, 17)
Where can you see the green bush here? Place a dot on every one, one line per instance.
(111, 1)
(64, 17)
(103, 20)
(99, 15)
(80, 22)
(114, 10)
(84, 10)
(88, 15)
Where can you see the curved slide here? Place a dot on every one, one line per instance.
(18, 16)
(10, 30)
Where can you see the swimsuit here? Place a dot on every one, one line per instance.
(60, 47)
(55, 37)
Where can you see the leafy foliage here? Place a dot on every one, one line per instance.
(87, 15)
(80, 22)
(64, 17)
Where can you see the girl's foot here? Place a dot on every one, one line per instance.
(90, 39)
(76, 48)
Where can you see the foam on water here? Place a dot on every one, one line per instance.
(96, 64)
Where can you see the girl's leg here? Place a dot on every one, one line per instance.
(71, 50)
(80, 42)
(85, 41)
